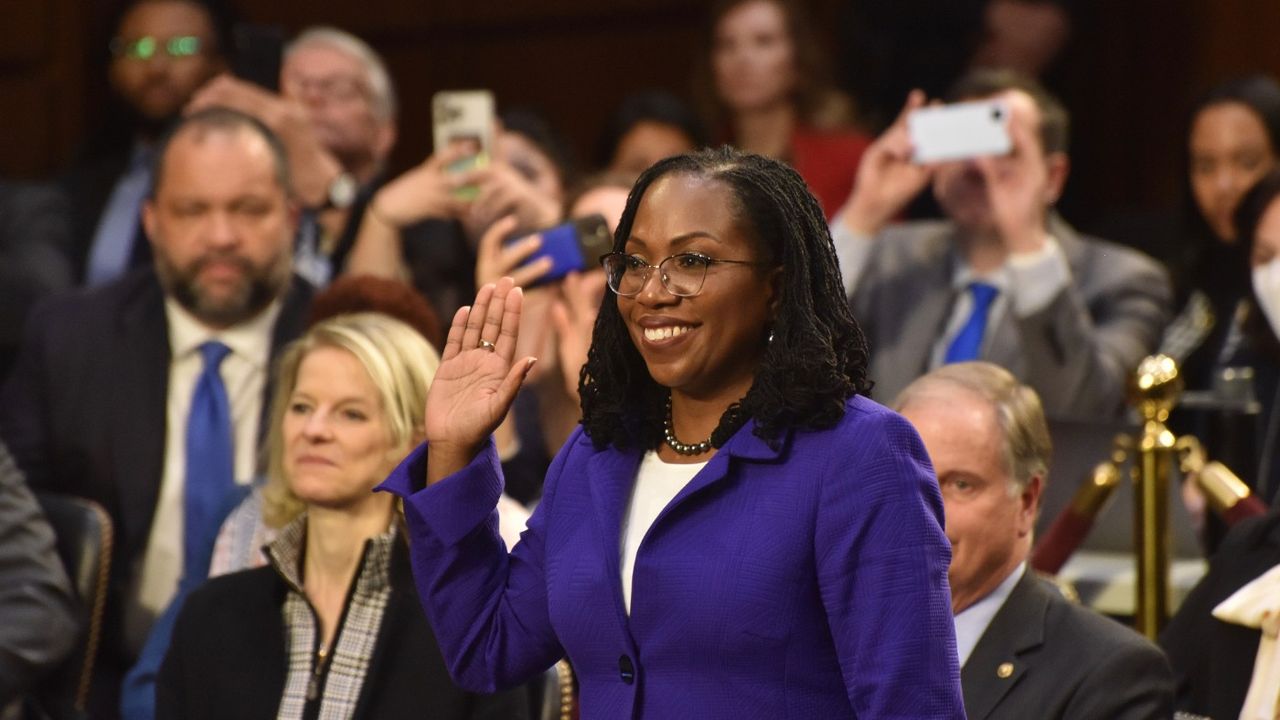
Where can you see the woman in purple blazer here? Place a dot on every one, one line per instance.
(733, 532)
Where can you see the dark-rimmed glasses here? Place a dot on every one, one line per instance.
(681, 274)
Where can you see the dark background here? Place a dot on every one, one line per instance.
(1131, 70)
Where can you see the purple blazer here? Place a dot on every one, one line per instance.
(806, 581)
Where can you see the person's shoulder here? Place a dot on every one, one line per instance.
(866, 426)
(911, 245)
(87, 309)
(230, 593)
(1100, 255)
(1072, 622)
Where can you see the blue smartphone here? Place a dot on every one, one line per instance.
(574, 246)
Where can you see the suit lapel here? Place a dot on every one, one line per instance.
(924, 303)
(997, 661)
(612, 473)
(140, 373)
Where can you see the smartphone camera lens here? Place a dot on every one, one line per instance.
(997, 114)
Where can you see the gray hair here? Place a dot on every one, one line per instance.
(1024, 432)
(382, 89)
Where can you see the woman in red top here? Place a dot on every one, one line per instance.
(765, 84)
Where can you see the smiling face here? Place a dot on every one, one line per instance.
(707, 346)
(1229, 152)
(988, 520)
(338, 444)
(220, 224)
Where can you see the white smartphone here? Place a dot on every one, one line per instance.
(466, 118)
(959, 131)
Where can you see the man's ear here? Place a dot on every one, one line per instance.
(149, 219)
(1059, 167)
(1029, 505)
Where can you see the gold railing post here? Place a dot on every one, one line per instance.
(1155, 392)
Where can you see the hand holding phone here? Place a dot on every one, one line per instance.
(574, 246)
(959, 131)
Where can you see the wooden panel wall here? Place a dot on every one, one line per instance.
(1131, 72)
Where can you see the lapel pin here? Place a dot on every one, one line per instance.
(1005, 670)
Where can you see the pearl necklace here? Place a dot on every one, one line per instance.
(681, 448)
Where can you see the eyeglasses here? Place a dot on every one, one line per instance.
(682, 274)
(341, 88)
(146, 47)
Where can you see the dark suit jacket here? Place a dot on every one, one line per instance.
(36, 257)
(1063, 661)
(228, 658)
(1078, 352)
(88, 187)
(1213, 660)
(84, 410)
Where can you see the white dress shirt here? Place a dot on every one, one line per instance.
(972, 622)
(244, 373)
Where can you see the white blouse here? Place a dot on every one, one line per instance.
(657, 484)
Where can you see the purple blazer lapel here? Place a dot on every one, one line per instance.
(611, 475)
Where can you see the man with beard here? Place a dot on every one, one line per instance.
(161, 52)
(146, 394)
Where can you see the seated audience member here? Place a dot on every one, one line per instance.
(244, 534)
(1025, 650)
(145, 394)
(35, 257)
(647, 127)
(40, 617)
(418, 229)
(1233, 140)
(1003, 278)
(765, 87)
(336, 113)
(162, 51)
(1222, 642)
(332, 628)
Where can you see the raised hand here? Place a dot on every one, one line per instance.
(887, 177)
(504, 191)
(1023, 184)
(477, 380)
(421, 192)
(495, 260)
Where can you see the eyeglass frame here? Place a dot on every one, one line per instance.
(122, 49)
(662, 276)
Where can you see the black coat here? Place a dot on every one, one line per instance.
(228, 658)
(1213, 660)
(84, 410)
(1045, 657)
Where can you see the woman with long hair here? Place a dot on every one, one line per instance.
(331, 627)
(735, 530)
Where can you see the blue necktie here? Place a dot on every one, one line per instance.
(118, 229)
(967, 344)
(210, 462)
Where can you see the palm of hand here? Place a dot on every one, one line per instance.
(466, 398)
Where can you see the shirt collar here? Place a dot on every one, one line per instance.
(972, 622)
(374, 571)
(250, 340)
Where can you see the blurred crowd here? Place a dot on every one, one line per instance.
(219, 326)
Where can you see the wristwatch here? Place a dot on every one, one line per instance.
(341, 192)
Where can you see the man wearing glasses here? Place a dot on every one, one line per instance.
(336, 116)
(161, 53)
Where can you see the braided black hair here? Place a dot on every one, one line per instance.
(818, 356)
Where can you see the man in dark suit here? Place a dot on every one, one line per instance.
(160, 53)
(1003, 278)
(109, 379)
(1025, 650)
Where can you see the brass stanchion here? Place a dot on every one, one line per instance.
(1157, 386)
